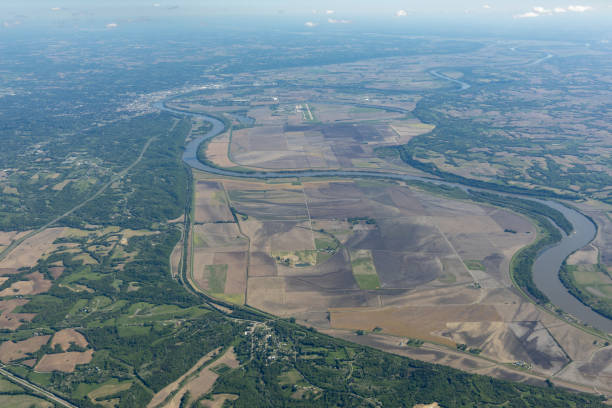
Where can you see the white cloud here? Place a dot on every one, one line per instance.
(329, 11)
(401, 13)
(111, 25)
(579, 9)
(156, 5)
(334, 21)
(56, 8)
(529, 14)
(310, 24)
(486, 6)
(541, 10)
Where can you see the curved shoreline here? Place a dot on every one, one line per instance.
(545, 270)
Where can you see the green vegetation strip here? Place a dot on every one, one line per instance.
(580, 292)
(368, 282)
(303, 368)
(217, 275)
(521, 266)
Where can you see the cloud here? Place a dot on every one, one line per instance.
(334, 21)
(401, 13)
(486, 6)
(156, 5)
(579, 9)
(310, 24)
(112, 25)
(541, 10)
(329, 11)
(56, 8)
(529, 14)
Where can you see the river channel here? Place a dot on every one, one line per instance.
(545, 268)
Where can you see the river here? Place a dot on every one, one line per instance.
(546, 266)
(464, 85)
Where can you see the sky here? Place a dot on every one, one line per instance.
(312, 14)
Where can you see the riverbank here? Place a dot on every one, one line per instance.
(545, 265)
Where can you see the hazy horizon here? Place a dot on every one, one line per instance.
(551, 19)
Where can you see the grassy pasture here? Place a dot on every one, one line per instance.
(475, 265)
(364, 270)
(9, 387)
(217, 274)
(23, 401)
(591, 281)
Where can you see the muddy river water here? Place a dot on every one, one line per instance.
(546, 266)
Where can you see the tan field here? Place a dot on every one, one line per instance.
(12, 321)
(415, 322)
(10, 351)
(176, 257)
(235, 282)
(203, 381)
(217, 151)
(6, 237)
(334, 136)
(65, 362)
(334, 113)
(407, 129)
(30, 362)
(200, 260)
(223, 237)
(211, 204)
(66, 337)
(36, 285)
(32, 249)
(60, 186)
(56, 271)
(328, 144)
(107, 390)
(162, 395)
(263, 115)
(218, 400)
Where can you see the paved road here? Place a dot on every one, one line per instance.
(36, 389)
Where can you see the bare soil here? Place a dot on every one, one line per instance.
(12, 321)
(31, 250)
(161, 396)
(10, 351)
(36, 285)
(66, 337)
(65, 362)
(235, 282)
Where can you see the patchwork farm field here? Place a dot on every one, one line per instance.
(324, 136)
(386, 259)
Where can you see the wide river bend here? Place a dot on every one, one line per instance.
(545, 268)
